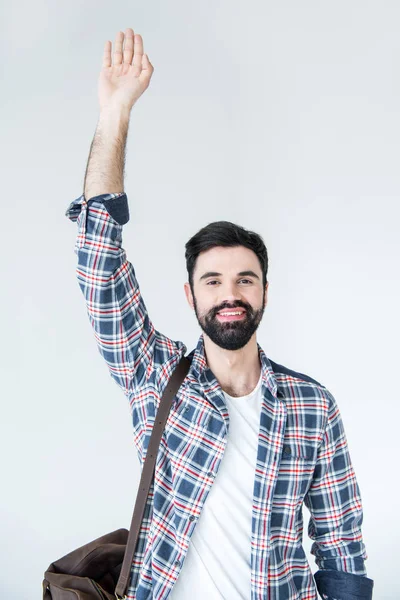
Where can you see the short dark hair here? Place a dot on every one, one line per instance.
(225, 233)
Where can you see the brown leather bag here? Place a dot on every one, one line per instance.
(100, 570)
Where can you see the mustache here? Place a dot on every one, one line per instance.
(225, 306)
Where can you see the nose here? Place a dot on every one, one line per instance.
(230, 294)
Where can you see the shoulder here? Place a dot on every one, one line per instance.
(295, 387)
(308, 402)
(282, 370)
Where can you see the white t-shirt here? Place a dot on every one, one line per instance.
(217, 564)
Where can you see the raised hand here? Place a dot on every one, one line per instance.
(124, 80)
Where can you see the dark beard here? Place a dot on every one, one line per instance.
(231, 335)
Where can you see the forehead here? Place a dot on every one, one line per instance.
(227, 260)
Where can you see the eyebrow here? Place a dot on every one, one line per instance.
(215, 274)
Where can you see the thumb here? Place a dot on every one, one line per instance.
(146, 64)
(147, 71)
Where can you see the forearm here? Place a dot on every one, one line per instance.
(106, 163)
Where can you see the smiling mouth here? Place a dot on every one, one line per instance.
(231, 316)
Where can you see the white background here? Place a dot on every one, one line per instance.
(280, 116)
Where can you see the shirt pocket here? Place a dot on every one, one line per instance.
(297, 451)
(295, 473)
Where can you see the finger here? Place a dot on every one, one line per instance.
(128, 48)
(147, 70)
(138, 51)
(146, 64)
(107, 54)
(118, 48)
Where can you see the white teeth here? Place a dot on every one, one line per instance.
(228, 314)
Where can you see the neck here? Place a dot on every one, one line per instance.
(237, 371)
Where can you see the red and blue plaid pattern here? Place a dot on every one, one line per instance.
(303, 455)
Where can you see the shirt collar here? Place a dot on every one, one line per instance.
(203, 373)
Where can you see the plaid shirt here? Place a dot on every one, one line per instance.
(302, 457)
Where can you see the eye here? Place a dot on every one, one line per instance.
(215, 281)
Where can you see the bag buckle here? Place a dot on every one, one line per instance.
(118, 597)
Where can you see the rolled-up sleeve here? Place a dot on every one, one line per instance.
(336, 516)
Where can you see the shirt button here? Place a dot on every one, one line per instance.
(177, 563)
(287, 450)
(210, 474)
(192, 518)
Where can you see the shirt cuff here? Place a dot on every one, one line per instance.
(115, 204)
(341, 585)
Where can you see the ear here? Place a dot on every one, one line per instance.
(189, 295)
(266, 294)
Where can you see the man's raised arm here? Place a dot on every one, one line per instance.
(124, 333)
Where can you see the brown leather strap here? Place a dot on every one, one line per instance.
(46, 593)
(146, 479)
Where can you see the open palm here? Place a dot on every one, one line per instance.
(123, 80)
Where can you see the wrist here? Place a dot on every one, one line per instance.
(115, 111)
(113, 121)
